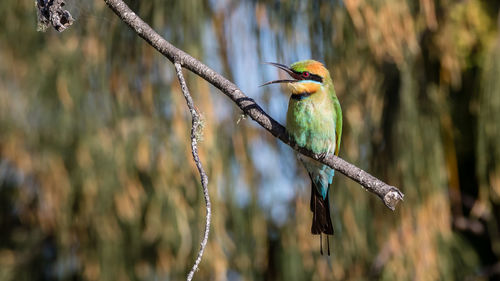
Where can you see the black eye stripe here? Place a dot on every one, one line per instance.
(313, 77)
(316, 78)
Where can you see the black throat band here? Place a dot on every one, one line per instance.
(301, 96)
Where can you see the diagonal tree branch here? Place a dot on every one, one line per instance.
(195, 127)
(390, 195)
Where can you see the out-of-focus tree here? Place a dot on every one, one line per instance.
(96, 177)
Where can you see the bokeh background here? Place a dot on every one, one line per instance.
(97, 180)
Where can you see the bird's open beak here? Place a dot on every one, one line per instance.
(285, 68)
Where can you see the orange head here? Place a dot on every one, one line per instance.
(308, 76)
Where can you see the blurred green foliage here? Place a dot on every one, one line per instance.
(96, 176)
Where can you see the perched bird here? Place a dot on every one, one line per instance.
(314, 121)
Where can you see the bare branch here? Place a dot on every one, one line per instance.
(195, 126)
(390, 195)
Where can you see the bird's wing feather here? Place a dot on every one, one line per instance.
(338, 126)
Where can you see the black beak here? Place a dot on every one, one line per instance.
(287, 70)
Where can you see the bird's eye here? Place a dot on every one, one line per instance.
(306, 74)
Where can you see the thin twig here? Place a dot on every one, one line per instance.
(195, 125)
(390, 195)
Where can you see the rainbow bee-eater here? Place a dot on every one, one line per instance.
(314, 121)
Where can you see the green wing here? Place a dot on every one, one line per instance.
(338, 125)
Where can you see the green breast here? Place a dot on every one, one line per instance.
(311, 123)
